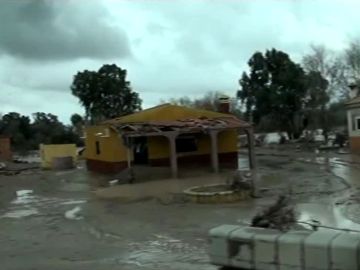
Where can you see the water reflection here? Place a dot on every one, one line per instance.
(326, 214)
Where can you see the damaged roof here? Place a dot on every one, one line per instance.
(170, 118)
(166, 112)
(355, 102)
(181, 126)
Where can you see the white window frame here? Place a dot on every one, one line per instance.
(357, 128)
(106, 133)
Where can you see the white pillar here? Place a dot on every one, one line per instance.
(349, 121)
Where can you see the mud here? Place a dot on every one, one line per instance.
(53, 220)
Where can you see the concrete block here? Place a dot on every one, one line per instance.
(241, 247)
(219, 240)
(265, 249)
(345, 252)
(290, 246)
(317, 252)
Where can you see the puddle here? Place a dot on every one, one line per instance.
(20, 213)
(73, 213)
(73, 202)
(28, 204)
(326, 214)
(165, 250)
(75, 187)
(24, 192)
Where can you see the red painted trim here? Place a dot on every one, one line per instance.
(105, 166)
(226, 160)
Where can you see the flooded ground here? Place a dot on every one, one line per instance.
(54, 220)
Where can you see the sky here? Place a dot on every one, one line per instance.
(169, 48)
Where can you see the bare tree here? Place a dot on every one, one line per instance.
(331, 66)
(207, 102)
(352, 59)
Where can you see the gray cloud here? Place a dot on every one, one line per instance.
(178, 47)
(59, 30)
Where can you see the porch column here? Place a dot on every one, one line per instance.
(214, 150)
(252, 160)
(251, 146)
(127, 142)
(349, 121)
(173, 155)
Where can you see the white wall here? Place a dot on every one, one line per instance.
(352, 114)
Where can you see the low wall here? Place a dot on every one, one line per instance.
(105, 166)
(244, 247)
(355, 144)
(5, 149)
(226, 160)
(225, 196)
(50, 151)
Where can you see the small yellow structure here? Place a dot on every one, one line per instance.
(50, 151)
(5, 148)
(164, 135)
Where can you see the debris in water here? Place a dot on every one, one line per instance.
(20, 213)
(2, 165)
(24, 192)
(113, 182)
(280, 216)
(73, 202)
(73, 213)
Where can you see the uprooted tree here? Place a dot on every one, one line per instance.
(105, 93)
(280, 216)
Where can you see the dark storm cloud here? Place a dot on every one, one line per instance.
(59, 30)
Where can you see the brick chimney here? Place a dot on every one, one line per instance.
(224, 104)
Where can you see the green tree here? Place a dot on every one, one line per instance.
(276, 88)
(48, 129)
(77, 122)
(105, 93)
(18, 128)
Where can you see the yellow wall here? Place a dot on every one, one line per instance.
(50, 151)
(158, 147)
(227, 141)
(111, 146)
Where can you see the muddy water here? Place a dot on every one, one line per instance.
(165, 250)
(95, 234)
(323, 186)
(326, 214)
(27, 203)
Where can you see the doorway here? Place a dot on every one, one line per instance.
(140, 150)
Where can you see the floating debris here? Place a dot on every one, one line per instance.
(20, 213)
(73, 213)
(23, 192)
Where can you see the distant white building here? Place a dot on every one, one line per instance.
(353, 119)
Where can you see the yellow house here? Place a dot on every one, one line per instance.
(164, 135)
